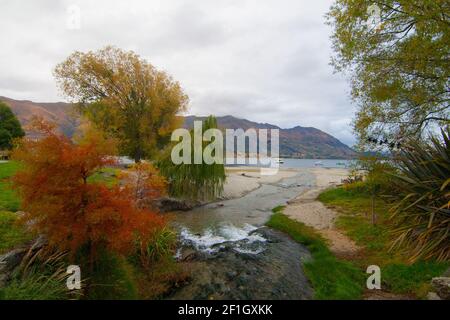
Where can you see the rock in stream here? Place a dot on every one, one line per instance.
(272, 269)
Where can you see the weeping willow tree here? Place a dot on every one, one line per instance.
(194, 181)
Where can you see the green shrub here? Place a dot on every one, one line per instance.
(41, 276)
(358, 187)
(422, 215)
(11, 234)
(112, 278)
(378, 176)
(36, 286)
(10, 127)
(162, 245)
(159, 249)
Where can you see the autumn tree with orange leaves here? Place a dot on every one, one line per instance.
(146, 184)
(71, 212)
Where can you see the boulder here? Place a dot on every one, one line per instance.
(433, 296)
(172, 204)
(441, 286)
(12, 259)
(8, 262)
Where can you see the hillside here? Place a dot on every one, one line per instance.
(297, 142)
(59, 113)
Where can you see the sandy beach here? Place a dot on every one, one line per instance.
(304, 208)
(242, 180)
(307, 209)
(326, 177)
(249, 197)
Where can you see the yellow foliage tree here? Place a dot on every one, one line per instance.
(125, 96)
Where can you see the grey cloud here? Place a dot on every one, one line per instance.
(262, 60)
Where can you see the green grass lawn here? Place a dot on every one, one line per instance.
(331, 278)
(108, 176)
(398, 276)
(9, 201)
(11, 234)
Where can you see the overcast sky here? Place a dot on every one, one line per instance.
(263, 60)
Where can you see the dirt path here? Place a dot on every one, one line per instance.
(307, 209)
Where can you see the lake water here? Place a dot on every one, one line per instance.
(312, 163)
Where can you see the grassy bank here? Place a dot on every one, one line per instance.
(11, 234)
(331, 278)
(107, 176)
(9, 201)
(398, 276)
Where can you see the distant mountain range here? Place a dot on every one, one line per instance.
(297, 142)
(59, 113)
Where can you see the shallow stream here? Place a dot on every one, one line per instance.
(234, 256)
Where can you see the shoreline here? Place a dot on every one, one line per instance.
(243, 180)
(307, 209)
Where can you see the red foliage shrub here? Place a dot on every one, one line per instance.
(61, 204)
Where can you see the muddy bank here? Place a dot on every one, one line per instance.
(267, 267)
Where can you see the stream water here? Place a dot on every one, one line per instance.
(235, 256)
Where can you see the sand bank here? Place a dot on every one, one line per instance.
(306, 209)
(242, 180)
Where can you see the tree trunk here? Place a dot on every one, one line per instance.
(138, 154)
